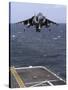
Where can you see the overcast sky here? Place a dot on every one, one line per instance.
(21, 11)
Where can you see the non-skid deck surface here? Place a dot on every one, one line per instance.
(35, 76)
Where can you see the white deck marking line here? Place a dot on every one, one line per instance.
(38, 83)
(50, 83)
(28, 67)
(17, 77)
(42, 83)
(52, 73)
(41, 67)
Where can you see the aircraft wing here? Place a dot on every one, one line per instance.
(50, 22)
(26, 22)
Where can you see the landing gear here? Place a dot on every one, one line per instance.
(37, 30)
(24, 29)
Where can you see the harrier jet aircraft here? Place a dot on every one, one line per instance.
(38, 21)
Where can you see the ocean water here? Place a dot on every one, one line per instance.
(45, 48)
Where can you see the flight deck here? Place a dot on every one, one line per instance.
(33, 76)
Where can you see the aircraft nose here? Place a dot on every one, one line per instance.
(40, 18)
